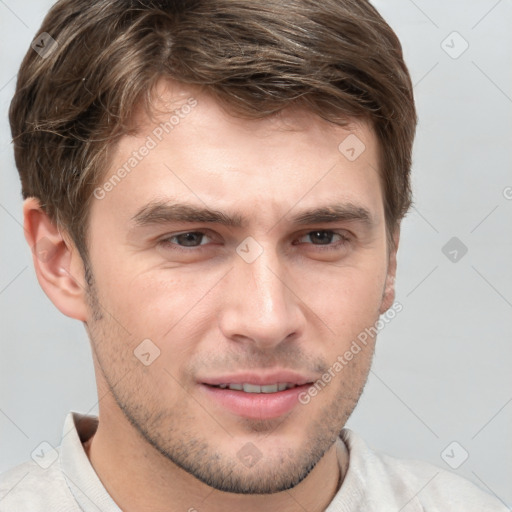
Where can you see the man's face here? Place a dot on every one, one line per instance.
(269, 299)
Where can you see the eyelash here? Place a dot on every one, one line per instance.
(166, 242)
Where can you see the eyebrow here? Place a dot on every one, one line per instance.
(164, 212)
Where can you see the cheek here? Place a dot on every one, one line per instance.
(346, 299)
(181, 304)
(162, 304)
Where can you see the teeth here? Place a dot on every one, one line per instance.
(254, 388)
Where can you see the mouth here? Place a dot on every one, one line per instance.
(255, 388)
(255, 396)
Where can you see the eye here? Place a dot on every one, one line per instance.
(187, 239)
(324, 238)
(321, 239)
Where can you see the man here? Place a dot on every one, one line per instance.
(215, 189)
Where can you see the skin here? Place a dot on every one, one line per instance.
(298, 306)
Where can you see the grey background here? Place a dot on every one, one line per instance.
(442, 366)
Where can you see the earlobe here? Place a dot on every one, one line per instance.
(388, 296)
(57, 263)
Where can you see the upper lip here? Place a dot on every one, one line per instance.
(260, 378)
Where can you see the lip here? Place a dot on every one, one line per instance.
(260, 378)
(257, 406)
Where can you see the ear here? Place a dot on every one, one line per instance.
(388, 296)
(58, 265)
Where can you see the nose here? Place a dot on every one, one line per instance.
(259, 303)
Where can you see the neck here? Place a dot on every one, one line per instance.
(149, 481)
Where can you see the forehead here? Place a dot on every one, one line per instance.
(169, 96)
(194, 148)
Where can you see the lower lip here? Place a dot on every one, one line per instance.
(257, 406)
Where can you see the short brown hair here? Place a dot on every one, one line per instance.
(337, 58)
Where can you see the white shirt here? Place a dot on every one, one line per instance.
(63, 480)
